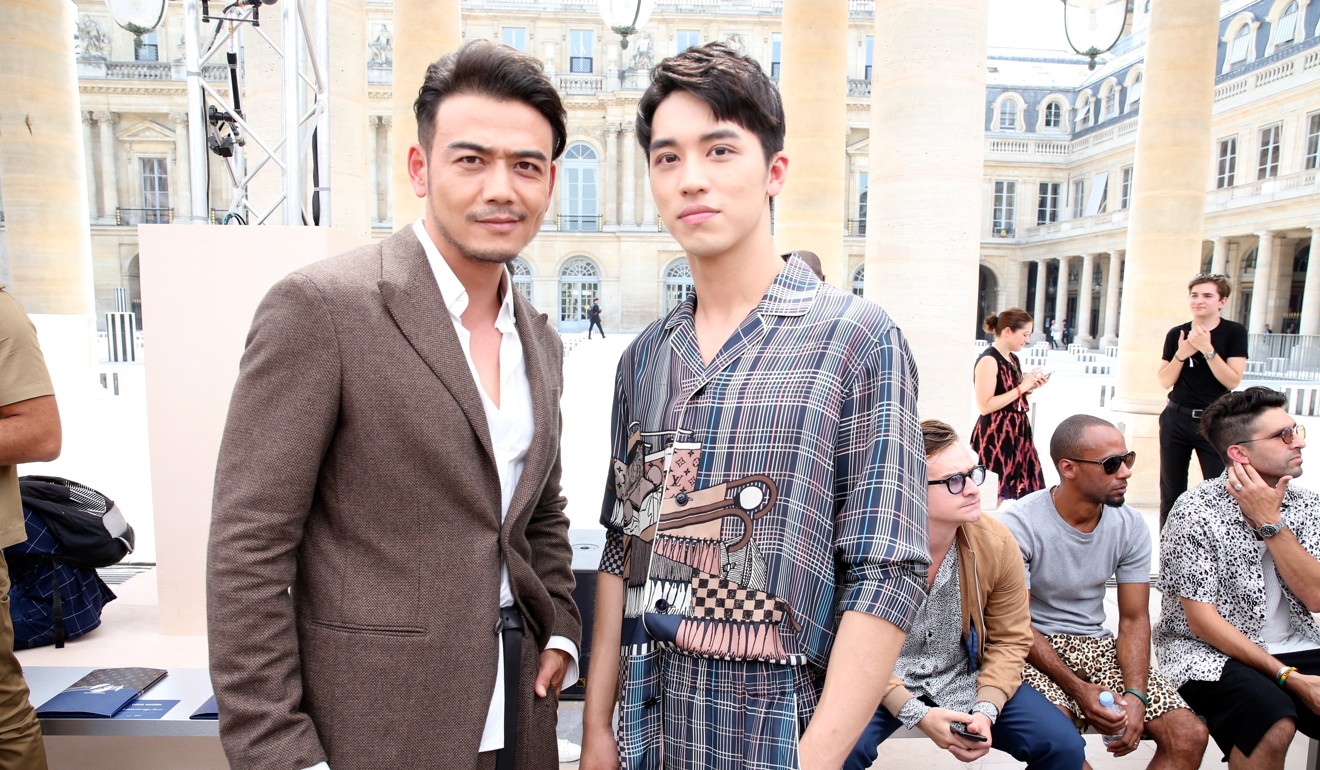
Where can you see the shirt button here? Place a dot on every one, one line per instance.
(651, 702)
(681, 498)
(661, 605)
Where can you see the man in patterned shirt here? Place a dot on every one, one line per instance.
(1240, 578)
(766, 505)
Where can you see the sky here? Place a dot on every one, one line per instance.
(1028, 24)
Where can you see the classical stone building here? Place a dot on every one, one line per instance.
(1058, 150)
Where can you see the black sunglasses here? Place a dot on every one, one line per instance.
(1110, 464)
(958, 481)
(1287, 435)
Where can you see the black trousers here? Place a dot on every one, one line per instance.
(595, 325)
(1180, 433)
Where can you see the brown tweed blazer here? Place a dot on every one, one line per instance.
(354, 562)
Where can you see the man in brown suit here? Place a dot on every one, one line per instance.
(387, 504)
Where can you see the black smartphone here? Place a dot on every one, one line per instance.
(960, 729)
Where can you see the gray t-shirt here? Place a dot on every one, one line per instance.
(1067, 569)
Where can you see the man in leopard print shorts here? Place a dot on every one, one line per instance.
(1073, 538)
(1240, 578)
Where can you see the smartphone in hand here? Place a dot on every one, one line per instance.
(960, 729)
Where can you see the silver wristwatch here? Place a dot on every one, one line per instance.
(1270, 530)
(1210, 355)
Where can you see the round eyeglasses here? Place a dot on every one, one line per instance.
(1287, 435)
(1110, 464)
(958, 481)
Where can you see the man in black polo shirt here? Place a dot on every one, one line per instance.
(1203, 359)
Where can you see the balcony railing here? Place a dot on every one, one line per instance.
(580, 85)
(1264, 191)
(146, 70)
(133, 217)
(859, 86)
(857, 228)
(1283, 357)
(573, 223)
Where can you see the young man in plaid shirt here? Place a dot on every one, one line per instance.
(766, 505)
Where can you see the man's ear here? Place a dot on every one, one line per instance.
(1067, 469)
(417, 170)
(1236, 454)
(778, 172)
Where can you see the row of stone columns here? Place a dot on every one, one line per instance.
(1083, 334)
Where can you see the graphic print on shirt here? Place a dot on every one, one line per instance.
(693, 571)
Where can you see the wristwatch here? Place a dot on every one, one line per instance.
(1270, 530)
(1210, 355)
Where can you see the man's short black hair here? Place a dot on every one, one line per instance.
(732, 84)
(1069, 439)
(1231, 418)
(491, 69)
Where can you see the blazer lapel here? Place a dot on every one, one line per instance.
(412, 298)
(545, 401)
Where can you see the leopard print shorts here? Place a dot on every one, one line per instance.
(1095, 659)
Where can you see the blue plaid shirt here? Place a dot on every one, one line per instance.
(753, 500)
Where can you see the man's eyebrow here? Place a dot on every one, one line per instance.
(482, 149)
(710, 136)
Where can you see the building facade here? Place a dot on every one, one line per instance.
(1059, 150)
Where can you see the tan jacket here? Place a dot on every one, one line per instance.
(354, 565)
(996, 602)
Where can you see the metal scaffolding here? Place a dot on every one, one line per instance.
(217, 122)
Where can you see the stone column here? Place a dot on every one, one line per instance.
(650, 217)
(182, 182)
(629, 175)
(88, 169)
(373, 162)
(1061, 292)
(351, 197)
(389, 170)
(1310, 320)
(810, 212)
(1038, 308)
(1085, 290)
(1219, 258)
(41, 151)
(926, 175)
(1262, 291)
(109, 179)
(1112, 288)
(1167, 219)
(424, 30)
(611, 201)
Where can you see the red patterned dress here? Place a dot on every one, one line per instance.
(1003, 439)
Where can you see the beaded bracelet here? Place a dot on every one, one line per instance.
(1141, 696)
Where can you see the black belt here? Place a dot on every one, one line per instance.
(1195, 414)
(511, 621)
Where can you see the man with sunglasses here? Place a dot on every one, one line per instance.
(1240, 579)
(1203, 359)
(1074, 537)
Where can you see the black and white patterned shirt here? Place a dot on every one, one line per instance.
(934, 662)
(1209, 554)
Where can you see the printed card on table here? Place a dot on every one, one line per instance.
(102, 693)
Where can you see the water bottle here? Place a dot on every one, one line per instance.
(1107, 703)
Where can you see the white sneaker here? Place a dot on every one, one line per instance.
(568, 751)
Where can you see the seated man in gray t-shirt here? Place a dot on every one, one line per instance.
(1073, 538)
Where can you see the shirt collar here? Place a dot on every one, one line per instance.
(791, 294)
(452, 290)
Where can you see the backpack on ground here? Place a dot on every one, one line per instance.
(55, 593)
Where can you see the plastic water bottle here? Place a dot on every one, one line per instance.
(1107, 703)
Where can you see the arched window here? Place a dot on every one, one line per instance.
(1109, 107)
(1085, 115)
(1053, 116)
(1284, 31)
(678, 283)
(579, 283)
(1240, 47)
(580, 209)
(1008, 115)
(521, 271)
(1134, 92)
(859, 281)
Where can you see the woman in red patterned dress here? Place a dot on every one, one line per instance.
(1002, 436)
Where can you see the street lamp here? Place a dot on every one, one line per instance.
(1094, 26)
(626, 17)
(137, 16)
